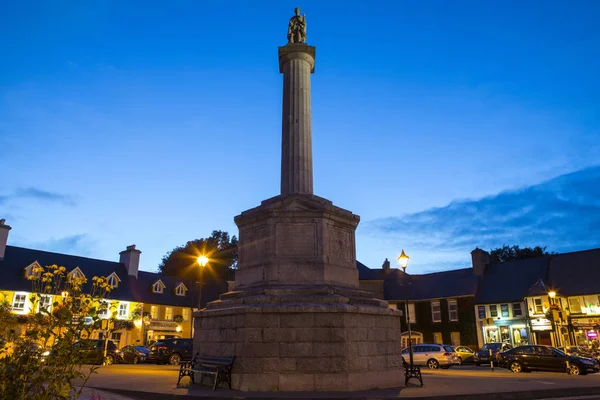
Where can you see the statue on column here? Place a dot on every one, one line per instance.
(297, 28)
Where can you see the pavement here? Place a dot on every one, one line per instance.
(146, 381)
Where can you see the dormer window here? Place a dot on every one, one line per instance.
(158, 287)
(180, 290)
(76, 274)
(33, 270)
(113, 280)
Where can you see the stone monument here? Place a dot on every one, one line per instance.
(296, 319)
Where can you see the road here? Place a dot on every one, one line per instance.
(161, 381)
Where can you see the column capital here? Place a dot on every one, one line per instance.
(300, 51)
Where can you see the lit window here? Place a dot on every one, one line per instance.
(437, 338)
(436, 311)
(103, 310)
(574, 305)
(158, 287)
(45, 303)
(453, 310)
(186, 314)
(517, 312)
(504, 310)
(123, 310)
(169, 313)
(19, 301)
(455, 338)
(539, 308)
(493, 311)
(154, 312)
(411, 313)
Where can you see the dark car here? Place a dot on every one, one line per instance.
(488, 352)
(544, 358)
(171, 351)
(134, 354)
(581, 352)
(92, 351)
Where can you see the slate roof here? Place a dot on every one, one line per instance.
(16, 259)
(367, 274)
(576, 273)
(510, 281)
(454, 283)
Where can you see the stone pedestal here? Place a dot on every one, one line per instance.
(297, 239)
(303, 339)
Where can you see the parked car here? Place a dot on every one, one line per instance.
(92, 351)
(483, 356)
(134, 354)
(433, 356)
(466, 354)
(581, 352)
(545, 358)
(171, 351)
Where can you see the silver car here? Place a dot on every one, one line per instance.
(433, 356)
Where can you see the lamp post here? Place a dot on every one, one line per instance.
(202, 261)
(551, 296)
(412, 371)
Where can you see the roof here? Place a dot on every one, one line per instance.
(576, 273)
(367, 274)
(453, 283)
(129, 289)
(510, 281)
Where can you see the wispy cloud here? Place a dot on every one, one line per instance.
(38, 194)
(79, 244)
(562, 213)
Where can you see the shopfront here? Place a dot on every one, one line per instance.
(515, 333)
(158, 330)
(542, 331)
(586, 331)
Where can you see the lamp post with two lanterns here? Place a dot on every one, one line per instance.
(202, 261)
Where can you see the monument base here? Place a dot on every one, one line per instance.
(294, 338)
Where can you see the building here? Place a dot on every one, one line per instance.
(156, 306)
(440, 305)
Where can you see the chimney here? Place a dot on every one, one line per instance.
(386, 265)
(3, 237)
(479, 258)
(131, 258)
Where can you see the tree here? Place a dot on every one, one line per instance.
(220, 248)
(509, 253)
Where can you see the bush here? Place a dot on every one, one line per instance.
(40, 362)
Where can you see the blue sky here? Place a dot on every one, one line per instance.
(444, 125)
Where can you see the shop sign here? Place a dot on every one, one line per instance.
(585, 321)
(163, 326)
(592, 334)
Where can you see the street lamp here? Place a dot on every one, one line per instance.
(202, 261)
(412, 371)
(551, 297)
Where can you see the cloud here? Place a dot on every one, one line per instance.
(38, 194)
(79, 244)
(562, 214)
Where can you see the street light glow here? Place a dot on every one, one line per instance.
(403, 260)
(202, 260)
(552, 294)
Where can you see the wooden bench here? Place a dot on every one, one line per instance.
(219, 367)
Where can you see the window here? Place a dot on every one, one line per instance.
(185, 313)
(437, 337)
(113, 280)
(169, 313)
(574, 305)
(481, 312)
(493, 311)
(116, 337)
(75, 274)
(517, 312)
(453, 310)
(103, 310)
(33, 270)
(180, 290)
(455, 338)
(154, 312)
(436, 311)
(19, 301)
(158, 287)
(45, 303)
(504, 310)
(411, 313)
(123, 310)
(538, 306)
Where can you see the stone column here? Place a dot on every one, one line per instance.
(296, 63)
